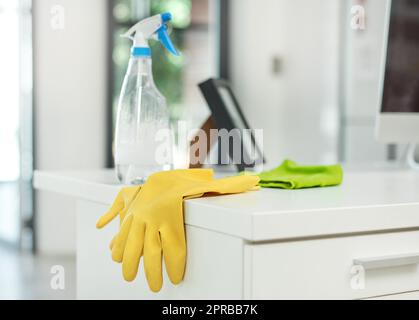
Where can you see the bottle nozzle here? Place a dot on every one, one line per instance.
(153, 27)
(164, 38)
(166, 17)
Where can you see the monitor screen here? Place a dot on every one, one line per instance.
(401, 83)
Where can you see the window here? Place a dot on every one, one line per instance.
(15, 118)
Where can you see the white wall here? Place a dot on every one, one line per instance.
(70, 105)
(298, 107)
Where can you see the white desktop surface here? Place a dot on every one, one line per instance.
(367, 201)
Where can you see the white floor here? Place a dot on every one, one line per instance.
(9, 211)
(24, 276)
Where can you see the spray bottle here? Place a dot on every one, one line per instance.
(142, 139)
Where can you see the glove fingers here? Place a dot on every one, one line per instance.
(133, 251)
(120, 206)
(111, 244)
(120, 239)
(116, 207)
(153, 260)
(123, 214)
(174, 252)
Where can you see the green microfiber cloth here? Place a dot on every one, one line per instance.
(290, 175)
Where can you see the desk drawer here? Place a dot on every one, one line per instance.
(334, 268)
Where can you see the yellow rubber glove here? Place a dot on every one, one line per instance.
(119, 208)
(154, 224)
(123, 201)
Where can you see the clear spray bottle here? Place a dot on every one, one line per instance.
(143, 139)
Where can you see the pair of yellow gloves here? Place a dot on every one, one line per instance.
(152, 224)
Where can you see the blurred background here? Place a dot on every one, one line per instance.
(299, 70)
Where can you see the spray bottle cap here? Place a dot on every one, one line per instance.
(151, 28)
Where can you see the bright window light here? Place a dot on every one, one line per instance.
(9, 92)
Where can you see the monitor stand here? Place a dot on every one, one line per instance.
(411, 157)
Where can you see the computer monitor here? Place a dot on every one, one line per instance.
(398, 120)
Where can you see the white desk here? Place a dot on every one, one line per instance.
(269, 244)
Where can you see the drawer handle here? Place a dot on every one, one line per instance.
(388, 261)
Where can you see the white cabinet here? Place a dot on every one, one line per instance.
(226, 267)
(214, 269)
(356, 241)
(325, 268)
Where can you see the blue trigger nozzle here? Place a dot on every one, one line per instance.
(164, 38)
(166, 17)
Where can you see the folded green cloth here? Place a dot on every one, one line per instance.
(290, 175)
